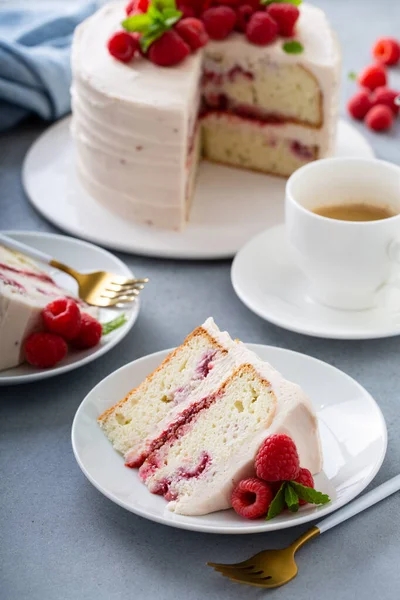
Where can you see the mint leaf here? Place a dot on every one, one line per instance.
(295, 2)
(352, 76)
(309, 494)
(137, 23)
(113, 324)
(278, 503)
(397, 101)
(291, 498)
(293, 47)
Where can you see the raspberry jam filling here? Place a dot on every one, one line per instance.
(12, 283)
(175, 430)
(163, 487)
(214, 103)
(303, 152)
(39, 276)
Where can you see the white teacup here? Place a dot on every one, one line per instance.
(346, 262)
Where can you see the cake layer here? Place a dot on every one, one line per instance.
(24, 292)
(129, 422)
(272, 148)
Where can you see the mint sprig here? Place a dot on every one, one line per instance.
(293, 47)
(114, 324)
(352, 76)
(295, 2)
(278, 503)
(160, 16)
(288, 496)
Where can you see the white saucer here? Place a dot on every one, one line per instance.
(268, 282)
(229, 208)
(352, 427)
(82, 257)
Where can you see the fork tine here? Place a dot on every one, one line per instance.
(241, 565)
(117, 301)
(126, 281)
(264, 582)
(113, 287)
(121, 293)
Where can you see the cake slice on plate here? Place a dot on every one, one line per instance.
(25, 290)
(195, 448)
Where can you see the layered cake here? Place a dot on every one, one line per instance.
(25, 290)
(140, 128)
(195, 425)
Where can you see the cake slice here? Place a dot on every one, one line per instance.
(195, 431)
(128, 423)
(25, 289)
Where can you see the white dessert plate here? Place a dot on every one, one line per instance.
(267, 280)
(230, 205)
(83, 257)
(353, 434)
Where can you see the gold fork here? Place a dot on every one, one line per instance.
(273, 568)
(99, 288)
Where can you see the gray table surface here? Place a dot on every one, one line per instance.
(61, 539)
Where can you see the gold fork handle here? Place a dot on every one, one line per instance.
(306, 537)
(61, 267)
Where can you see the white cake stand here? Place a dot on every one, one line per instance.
(230, 205)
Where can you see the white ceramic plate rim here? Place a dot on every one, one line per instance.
(131, 314)
(309, 329)
(158, 243)
(300, 519)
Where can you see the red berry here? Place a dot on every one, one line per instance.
(372, 77)
(359, 104)
(243, 14)
(305, 478)
(251, 498)
(219, 21)
(233, 3)
(89, 334)
(168, 50)
(193, 32)
(383, 95)
(277, 459)
(387, 51)
(261, 29)
(137, 6)
(122, 46)
(379, 118)
(63, 317)
(286, 16)
(191, 8)
(44, 350)
(187, 11)
(255, 4)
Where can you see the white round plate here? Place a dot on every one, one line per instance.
(267, 280)
(353, 434)
(83, 257)
(230, 205)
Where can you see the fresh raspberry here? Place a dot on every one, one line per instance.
(187, 11)
(168, 50)
(286, 16)
(387, 51)
(383, 95)
(63, 317)
(372, 77)
(219, 21)
(359, 104)
(261, 29)
(277, 459)
(193, 32)
(122, 46)
(89, 334)
(379, 118)
(251, 498)
(44, 350)
(232, 3)
(255, 4)
(192, 8)
(305, 478)
(243, 14)
(137, 6)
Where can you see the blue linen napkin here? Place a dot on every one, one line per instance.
(35, 42)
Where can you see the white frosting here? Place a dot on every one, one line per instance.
(22, 298)
(131, 122)
(294, 416)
